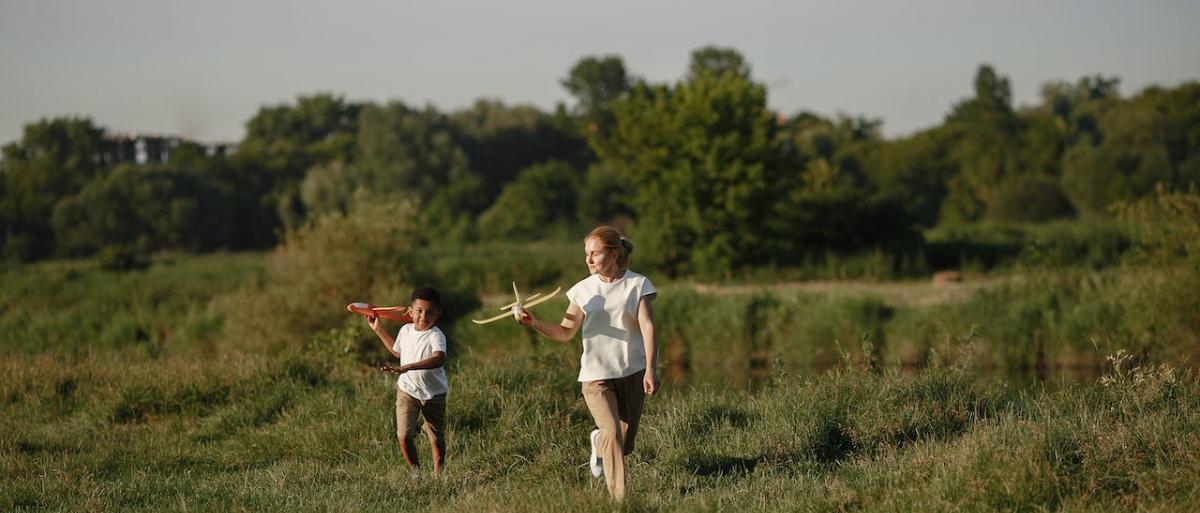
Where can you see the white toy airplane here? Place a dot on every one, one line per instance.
(516, 307)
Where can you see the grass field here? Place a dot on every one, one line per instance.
(314, 433)
(238, 382)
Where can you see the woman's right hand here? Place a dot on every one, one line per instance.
(526, 318)
(374, 322)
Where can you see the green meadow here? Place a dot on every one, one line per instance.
(239, 382)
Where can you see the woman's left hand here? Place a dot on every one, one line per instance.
(650, 382)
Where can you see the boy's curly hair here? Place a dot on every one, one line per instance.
(429, 294)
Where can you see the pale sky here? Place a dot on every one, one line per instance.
(202, 69)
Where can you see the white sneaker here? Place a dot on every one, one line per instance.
(595, 462)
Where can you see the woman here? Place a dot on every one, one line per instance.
(620, 352)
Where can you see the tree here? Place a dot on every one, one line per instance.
(989, 148)
(400, 148)
(1030, 198)
(912, 172)
(718, 61)
(284, 141)
(54, 159)
(1150, 139)
(699, 157)
(596, 82)
(143, 209)
(604, 197)
(500, 140)
(449, 217)
(541, 202)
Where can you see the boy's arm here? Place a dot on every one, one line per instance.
(437, 360)
(563, 331)
(377, 326)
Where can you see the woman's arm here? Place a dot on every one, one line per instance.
(563, 331)
(650, 339)
(377, 326)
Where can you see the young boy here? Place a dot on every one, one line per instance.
(422, 386)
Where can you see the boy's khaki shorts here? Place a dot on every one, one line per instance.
(433, 410)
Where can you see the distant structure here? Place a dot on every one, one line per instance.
(219, 149)
(142, 149)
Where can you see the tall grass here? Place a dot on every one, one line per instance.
(313, 431)
(1066, 317)
(76, 307)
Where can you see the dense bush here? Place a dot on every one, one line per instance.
(364, 255)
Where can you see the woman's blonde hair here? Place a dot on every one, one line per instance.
(612, 239)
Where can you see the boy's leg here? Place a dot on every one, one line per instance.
(631, 397)
(602, 403)
(407, 408)
(434, 411)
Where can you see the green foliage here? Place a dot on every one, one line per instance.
(500, 141)
(283, 141)
(699, 157)
(989, 148)
(1091, 244)
(1029, 198)
(596, 82)
(143, 208)
(121, 258)
(488, 268)
(364, 255)
(450, 216)
(1146, 141)
(1064, 317)
(842, 222)
(53, 160)
(541, 201)
(332, 187)
(717, 60)
(73, 309)
(914, 172)
(403, 149)
(1167, 224)
(1096, 177)
(604, 198)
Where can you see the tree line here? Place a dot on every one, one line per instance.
(705, 174)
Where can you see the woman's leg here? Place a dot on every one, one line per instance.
(602, 403)
(631, 397)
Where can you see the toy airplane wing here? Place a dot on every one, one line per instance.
(540, 298)
(492, 319)
(514, 303)
(395, 313)
(520, 303)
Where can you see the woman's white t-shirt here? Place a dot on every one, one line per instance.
(612, 339)
(415, 346)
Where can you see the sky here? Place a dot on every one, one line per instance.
(202, 69)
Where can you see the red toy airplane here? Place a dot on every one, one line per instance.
(395, 313)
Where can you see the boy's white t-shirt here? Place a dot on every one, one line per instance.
(415, 346)
(612, 339)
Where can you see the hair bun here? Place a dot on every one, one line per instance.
(627, 244)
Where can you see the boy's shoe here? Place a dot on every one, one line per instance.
(595, 463)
